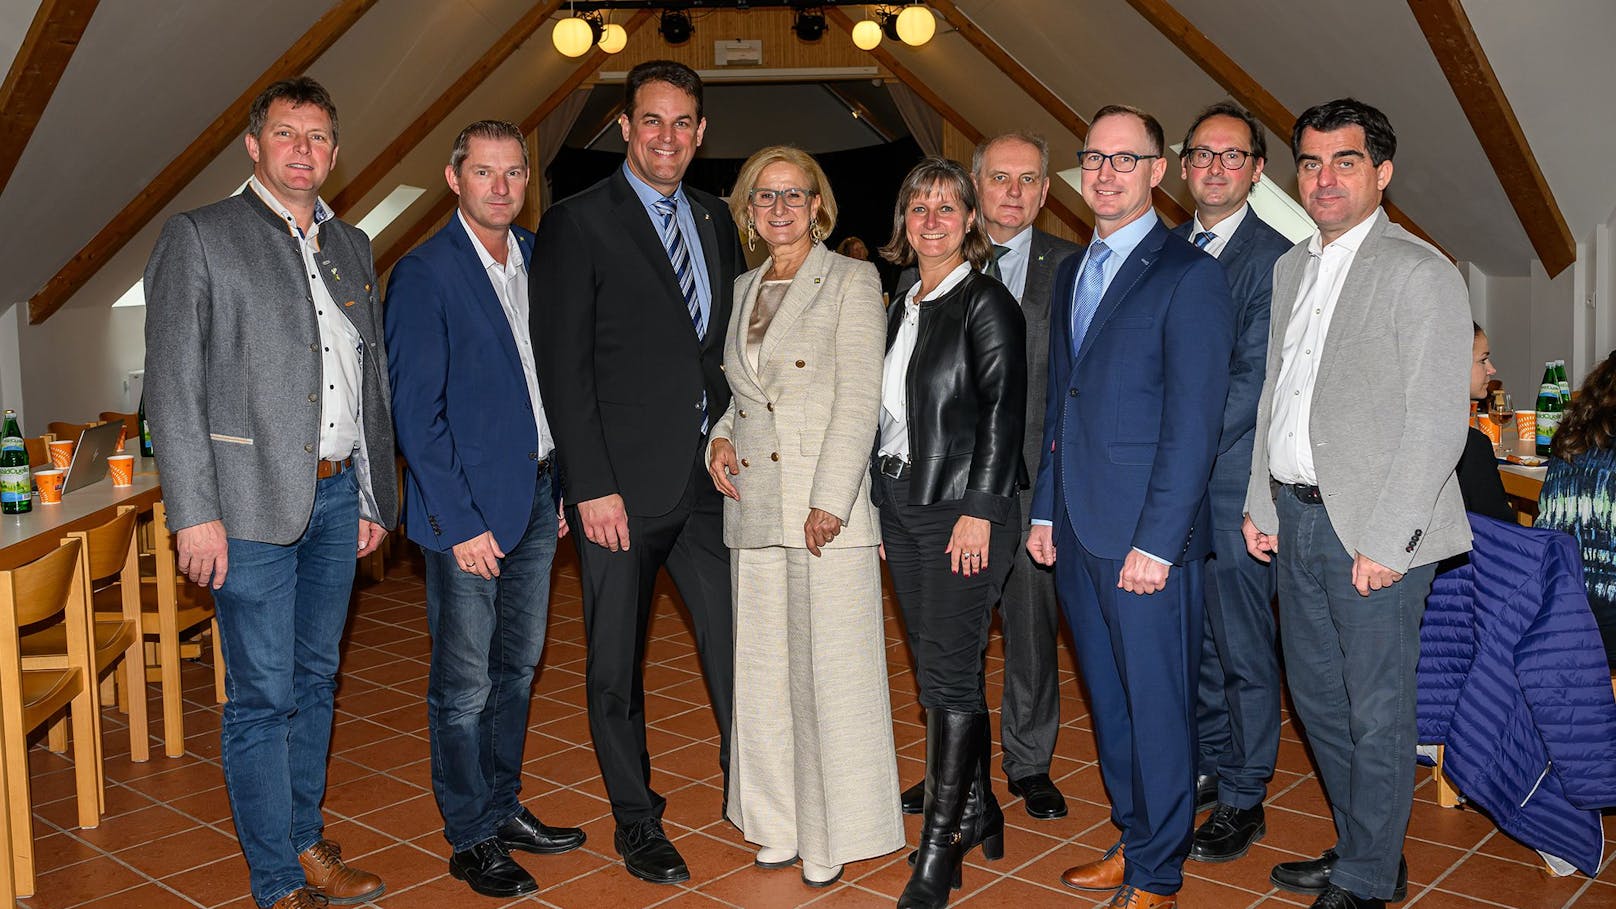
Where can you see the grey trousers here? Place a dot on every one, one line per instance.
(1029, 712)
(1350, 662)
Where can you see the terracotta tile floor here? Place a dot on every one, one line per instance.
(168, 842)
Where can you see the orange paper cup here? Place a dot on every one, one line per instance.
(61, 453)
(1491, 429)
(122, 469)
(1526, 425)
(50, 486)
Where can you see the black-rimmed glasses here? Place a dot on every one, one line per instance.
(1232, 158)
(1121, 162)
(792, 197)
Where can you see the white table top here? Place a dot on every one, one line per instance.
(24, 537)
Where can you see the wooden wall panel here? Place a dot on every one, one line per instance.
(781, 47)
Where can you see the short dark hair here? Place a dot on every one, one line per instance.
(672, 72)
(485, 129)
(1259, 142)
(1330, 116)
(937, 173)
(296, 92)
(1153, 127)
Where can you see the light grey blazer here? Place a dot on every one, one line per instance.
(803, 424)
(233, 367)
(1386, 422)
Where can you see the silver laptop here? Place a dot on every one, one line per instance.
(90, 455)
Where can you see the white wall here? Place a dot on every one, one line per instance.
(11, 362)
(75, 364)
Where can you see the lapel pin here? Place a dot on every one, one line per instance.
(367, 288)
(349, 303)
(817, 280)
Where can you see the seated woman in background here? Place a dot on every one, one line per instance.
(1579, 493)
(1479, 483)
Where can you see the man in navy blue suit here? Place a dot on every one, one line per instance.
(1238, 711)
(480, 502)
(1138, 372)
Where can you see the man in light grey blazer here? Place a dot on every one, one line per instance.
(1359, 427)
(266, 387)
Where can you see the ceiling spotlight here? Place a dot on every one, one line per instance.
(675, 27)
(573, 36)
(809, 26)
(866, 34)
(889, 22)
(613, 38)
(916, 25)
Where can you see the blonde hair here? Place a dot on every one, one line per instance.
(740, 200)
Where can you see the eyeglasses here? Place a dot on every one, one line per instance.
(1233, 158)
(1121, 162)
(792, 197)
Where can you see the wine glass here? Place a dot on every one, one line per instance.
(1501, 410)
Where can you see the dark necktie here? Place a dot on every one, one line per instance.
(992, 271)
(673, 239)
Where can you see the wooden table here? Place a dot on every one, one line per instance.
(1521, 483)
(26, 537)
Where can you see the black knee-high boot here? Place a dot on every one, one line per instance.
(983, 821)
(953, 739)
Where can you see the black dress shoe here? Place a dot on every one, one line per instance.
(524, 831)
(1206, 792)
(913, 800)
(1227, 834)
(648, 855)
(488, 869)
(1313, 876)
(1039, 795)
(1336, 898)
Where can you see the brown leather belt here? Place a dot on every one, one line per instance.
(327, 469)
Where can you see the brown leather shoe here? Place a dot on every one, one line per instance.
(1103, 874)
(328, 876)
(301, 898)
(1130, 898)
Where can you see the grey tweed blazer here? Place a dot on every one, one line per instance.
(233, 367)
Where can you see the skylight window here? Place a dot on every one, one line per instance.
(388, 210)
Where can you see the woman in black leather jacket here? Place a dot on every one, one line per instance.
(946, 469)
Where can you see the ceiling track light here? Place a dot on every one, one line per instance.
(809, 25)
(675, 26)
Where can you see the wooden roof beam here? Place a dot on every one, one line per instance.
(917, 85)
(1040, 93)
(343, 201)
(225, 129)
(1447, 29)
(46, 49)
(1241, 86)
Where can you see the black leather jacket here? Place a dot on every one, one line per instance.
(967, 399)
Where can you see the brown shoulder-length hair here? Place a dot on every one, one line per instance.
(947, 178)
(740, 200)
(1590, 421)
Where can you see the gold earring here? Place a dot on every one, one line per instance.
(751, 235)
(817, 234)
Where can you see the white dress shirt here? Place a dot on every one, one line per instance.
(1290, 446)
(1221, 231)
(895, 373)
(342, 348)
(1013, 264)
(510, 287)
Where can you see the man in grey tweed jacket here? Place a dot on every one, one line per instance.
(266, 387)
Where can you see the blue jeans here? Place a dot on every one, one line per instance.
(487, 637)
(281, 614)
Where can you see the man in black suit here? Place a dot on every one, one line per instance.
(629, 308)
(1237, 709)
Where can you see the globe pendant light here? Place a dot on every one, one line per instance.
(916, 25)
(614, 39)
(573, 37)
(867, 34)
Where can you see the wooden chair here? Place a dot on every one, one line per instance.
(30, 698)
(131, 422)
(108, 551)
(71, 431)
(38, 451)
(170, 605)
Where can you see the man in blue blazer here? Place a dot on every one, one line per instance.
(1238, 711)
(1138, 372)
(480, 501)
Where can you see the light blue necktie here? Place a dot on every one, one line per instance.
(1090, 287)
(1203, 238)
(679, 255)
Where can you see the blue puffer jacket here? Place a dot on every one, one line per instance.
(1513, 680)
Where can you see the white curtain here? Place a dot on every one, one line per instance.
(925, 124)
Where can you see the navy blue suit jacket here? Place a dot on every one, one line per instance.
(1248, 262)
(461, 409)
(1132, 419)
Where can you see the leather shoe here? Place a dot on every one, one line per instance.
(1313, 876)
(327, 875)
(1227, 834)
(913, 800)
(301, 898)
(1102, 874)
(647, 854)
(525, 832)
(1206, 792)
(487, 867)
(820, 875)
(1039, 796)
(1130, 897)
(1336, 898)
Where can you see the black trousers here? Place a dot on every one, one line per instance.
(946, 615)
(617, 590)
(1029, 714)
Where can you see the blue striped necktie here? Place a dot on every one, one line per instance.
(1203, 238)
(673, 239)
(1090, 288)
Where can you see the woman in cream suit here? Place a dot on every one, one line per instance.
(812, 766)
